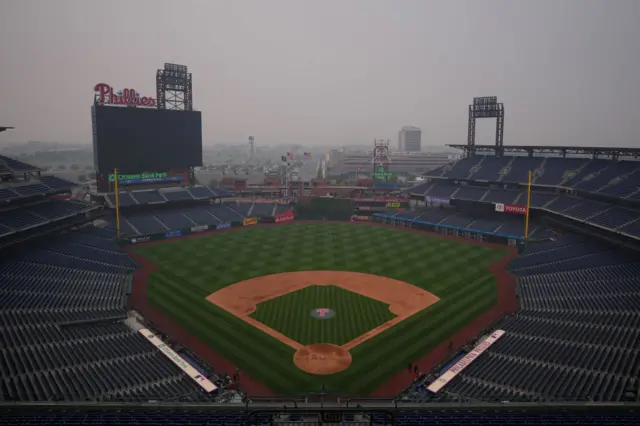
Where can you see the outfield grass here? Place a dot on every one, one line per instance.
(191, 269)
(291, 315)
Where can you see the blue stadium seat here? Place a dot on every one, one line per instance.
(623, 186)
(554, 171)
(491, 168)
(177, 195)
(32, 189)
(56, 183)
(201, 192)
(588, 170)
(145, 223)
(262, 209)
(174, 219)
(613, 170)
(469, 193)
(19, 219)
(614, 217)
(148, 197)
(520, 167)
(16, 165)
(7, 194)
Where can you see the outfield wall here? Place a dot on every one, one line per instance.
(452, 231)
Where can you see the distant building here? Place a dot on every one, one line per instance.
(410, 139)
(360, 163)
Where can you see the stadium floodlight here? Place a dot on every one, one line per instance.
(174, 88)
(486, 107)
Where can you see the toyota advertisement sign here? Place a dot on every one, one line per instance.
(511, 208)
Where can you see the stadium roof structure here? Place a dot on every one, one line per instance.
(595, 151)
(5, 128)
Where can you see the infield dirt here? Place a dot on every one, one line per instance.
(241, 299)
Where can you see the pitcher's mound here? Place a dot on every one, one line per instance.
(322, 358)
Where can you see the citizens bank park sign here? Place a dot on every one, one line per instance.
(106, 95)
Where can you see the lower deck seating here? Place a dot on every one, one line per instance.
(576, 337)
(62, 335)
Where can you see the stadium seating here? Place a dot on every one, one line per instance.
(148, 197)
(577, 334)
(436, 417)
(168, 195)
(200, 215)
(16, 166)
(56, 183)
(262, 210)
(174, 219)
(158, 221)
(144, 223)
(555, 171)
(200, 192)
(177, 195)
(616, 178)
(62, 305)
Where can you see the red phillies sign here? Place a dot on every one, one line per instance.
(284, 217)
(105, 95)
(510, 208)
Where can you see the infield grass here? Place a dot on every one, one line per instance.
(191, 269)
(291, 315)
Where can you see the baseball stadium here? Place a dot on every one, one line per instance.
(502, 289)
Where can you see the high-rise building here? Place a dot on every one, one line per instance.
(410, 139)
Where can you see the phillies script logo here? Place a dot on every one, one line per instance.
(105, 95)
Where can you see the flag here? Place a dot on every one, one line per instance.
(284, 159)
(289, 156)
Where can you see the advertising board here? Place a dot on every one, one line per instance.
(200, 228)
(204, 383)
(172, 234)
(224, 225)
(250, 221)
(284, 217)
(464, 362)
(137, 240)
(511, 208)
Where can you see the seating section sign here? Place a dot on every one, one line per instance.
(452, 372)
(204, 383)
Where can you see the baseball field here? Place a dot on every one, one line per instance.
(308, 306)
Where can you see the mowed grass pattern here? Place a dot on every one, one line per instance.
(192, 269)
(291, 315)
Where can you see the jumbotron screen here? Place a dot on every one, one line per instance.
(136, 140)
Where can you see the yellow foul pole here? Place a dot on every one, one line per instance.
(115, 180)
(526, 222)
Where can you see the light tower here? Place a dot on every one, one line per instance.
(485, 107)
(381, 159)
(174, 88)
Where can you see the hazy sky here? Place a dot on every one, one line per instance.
(332, 72)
